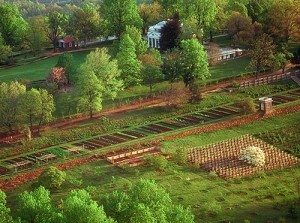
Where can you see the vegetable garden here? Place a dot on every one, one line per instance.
(223, 157)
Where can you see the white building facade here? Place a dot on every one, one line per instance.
(153, 35)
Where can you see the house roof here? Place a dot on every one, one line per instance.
(67, 39)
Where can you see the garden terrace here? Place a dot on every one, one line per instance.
(131, 158)
(42, 157)
(223, 158)
(4, 171)
(20, 163)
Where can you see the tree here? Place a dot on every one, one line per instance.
(80, 206)
(46, 108)
(170, 33)
(84, 23)
(170, 7)
(128, 62)
(171, 67)
(66, 61)
(11, 113)
(54, 26)
(89, 90)
(12, 25)
(135, 35)
(5, 50)
(36, 35)
(151, 72)
(240, 28)
(260, 52)
(180, 156)
(194, 63)
(106, 70)
(4, 211)
(58, 76)
(52, 178)
(159, 162)
(116, 205)
(203, 11)
(35, 206)
(31, 102)
(282, 20)
(151, 13)
(119, 14)
(280, 60)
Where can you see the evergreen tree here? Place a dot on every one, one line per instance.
(128, 62)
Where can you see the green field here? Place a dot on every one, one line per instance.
(37, 70)
(211, 198)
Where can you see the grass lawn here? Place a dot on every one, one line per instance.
(228, 69)
(36, 70)
(260, 198)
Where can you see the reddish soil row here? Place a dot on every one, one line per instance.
(17, 180)
(25, 177)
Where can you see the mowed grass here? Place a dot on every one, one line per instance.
(263, 197)
(228, 69)
(37, 70)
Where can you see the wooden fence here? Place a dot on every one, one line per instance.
(268, 79)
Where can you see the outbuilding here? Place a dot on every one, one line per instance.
(66, 43)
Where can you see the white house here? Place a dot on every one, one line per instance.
(153, 35)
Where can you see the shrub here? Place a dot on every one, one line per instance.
(52, 178)
(253, 155)
(180, 156)
(247, 106)
(159, 162)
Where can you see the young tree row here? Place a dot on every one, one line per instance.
(144, 202)
(21, 107)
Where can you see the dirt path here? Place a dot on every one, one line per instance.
(76, 121)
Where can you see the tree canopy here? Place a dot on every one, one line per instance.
(120, 13)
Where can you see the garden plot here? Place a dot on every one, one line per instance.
(280, 99)
(99, 143)
(86, 145)
(67, 150)
(134, 134)
(20, 163)
(4, 171)
(131, 158)
(223, 158)
(168, 124)
(42, 157)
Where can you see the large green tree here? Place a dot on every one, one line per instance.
(5, 216)
(45, 108)
(89, 91)
(12, 25)
(135, 34)
(119, 14)
(80, 207)
(105, 69)
(84, 23)
(5, 50)
(145, 202)
(36, 35)
(55, 22)
(128, 62)
(11, 112)
(203, 11)
(36, 207)
(194, 62)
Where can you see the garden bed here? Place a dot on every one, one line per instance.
(223, 158)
